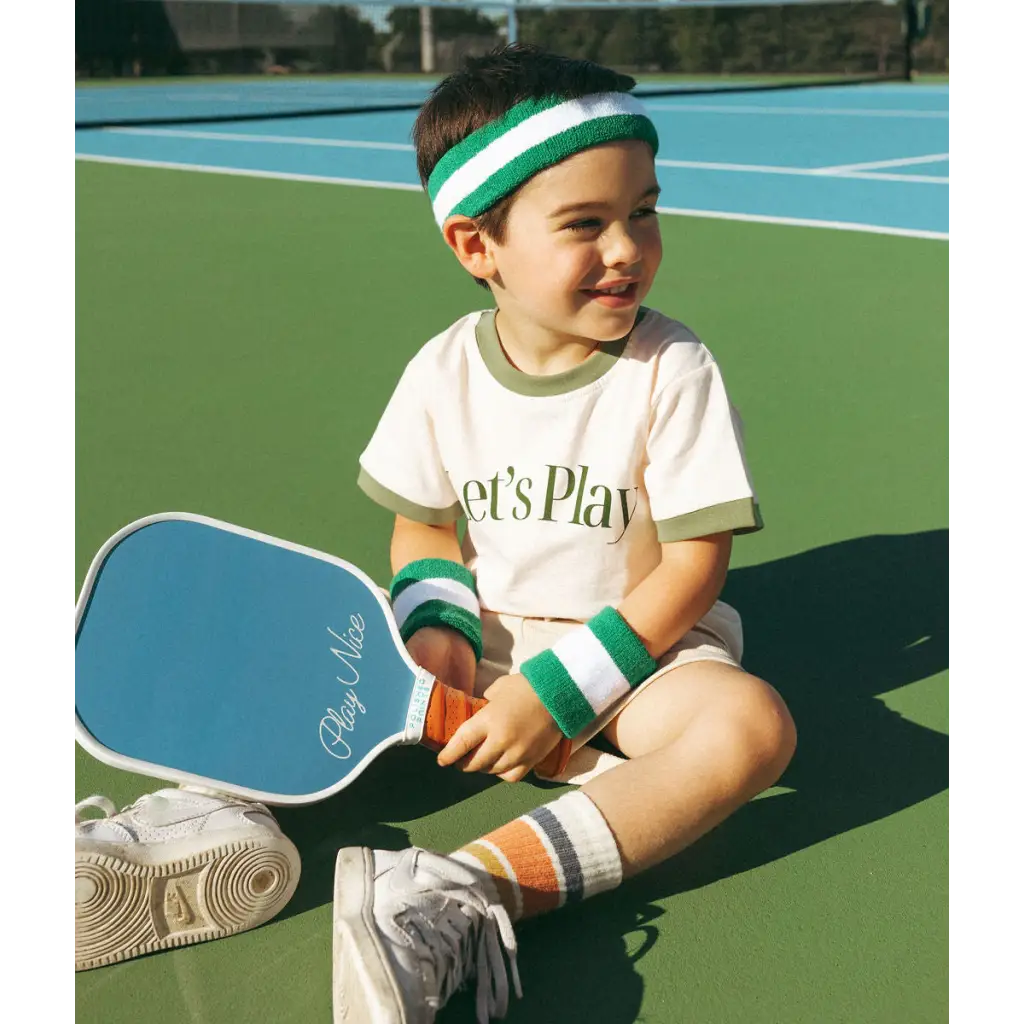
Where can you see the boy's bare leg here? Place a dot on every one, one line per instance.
(702, 740)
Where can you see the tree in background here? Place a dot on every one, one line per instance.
(124, 37)
(932, 53)
(117, 37)
(851, 38)
(354, 43)
(402, 42)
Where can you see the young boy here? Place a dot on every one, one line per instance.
(592, 448)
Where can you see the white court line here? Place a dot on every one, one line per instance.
(876, 229)
(802, 222)
(918, 179)
(810, 172)
(906, 161)
(243, 173)
(715, 108)
(303, 140)
(286, 140)
(703, 165)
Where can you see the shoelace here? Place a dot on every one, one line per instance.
(101, 802)
(450, 939)
(492, 984)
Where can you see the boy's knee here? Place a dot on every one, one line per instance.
(766, 731)
(754, 729)
(776, 731)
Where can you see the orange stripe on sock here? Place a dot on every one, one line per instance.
(502, 882)
(538, 883)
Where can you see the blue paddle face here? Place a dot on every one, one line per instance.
(229, 657)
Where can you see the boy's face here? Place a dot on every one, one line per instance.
(573, 231)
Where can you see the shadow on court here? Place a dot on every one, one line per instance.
(831, 629)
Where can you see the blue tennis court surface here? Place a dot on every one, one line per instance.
(871, 157)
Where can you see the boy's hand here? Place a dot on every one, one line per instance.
(508, 737)
(446, 654)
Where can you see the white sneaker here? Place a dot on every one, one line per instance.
(409, 929)
(178, 866)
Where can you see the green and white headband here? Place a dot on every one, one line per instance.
(535, 134)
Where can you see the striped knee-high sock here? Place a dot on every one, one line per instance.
(559, 853)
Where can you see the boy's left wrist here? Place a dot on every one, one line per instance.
(588, 670)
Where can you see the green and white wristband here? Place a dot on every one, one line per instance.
(588, 670)
(535, 134)
(437, 592)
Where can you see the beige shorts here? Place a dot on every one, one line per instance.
(510, 640)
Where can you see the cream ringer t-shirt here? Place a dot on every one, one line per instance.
(570, 482)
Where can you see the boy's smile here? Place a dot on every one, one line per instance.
(580, 252)
(617, 295)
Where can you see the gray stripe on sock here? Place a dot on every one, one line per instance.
(571, 869)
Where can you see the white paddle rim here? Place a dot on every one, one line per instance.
(418, 700)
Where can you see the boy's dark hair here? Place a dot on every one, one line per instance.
(487, 87)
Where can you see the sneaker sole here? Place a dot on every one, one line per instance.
(125, 908)
(364, 990)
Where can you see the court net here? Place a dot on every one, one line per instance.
(152, 62)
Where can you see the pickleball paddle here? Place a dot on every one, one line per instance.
(211, 655)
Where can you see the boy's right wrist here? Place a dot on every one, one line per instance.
(437, 592)
(433, 635)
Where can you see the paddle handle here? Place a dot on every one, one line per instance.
(449, 708)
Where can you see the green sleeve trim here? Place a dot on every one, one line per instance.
(623, 646)
(740, 516)
(558, 692)
(402, 506)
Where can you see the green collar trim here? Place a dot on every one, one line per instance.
(591, 369)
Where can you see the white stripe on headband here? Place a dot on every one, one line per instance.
(523, 137)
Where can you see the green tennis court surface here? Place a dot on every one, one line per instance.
(238, 337)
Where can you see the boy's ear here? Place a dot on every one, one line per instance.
(472, 248)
